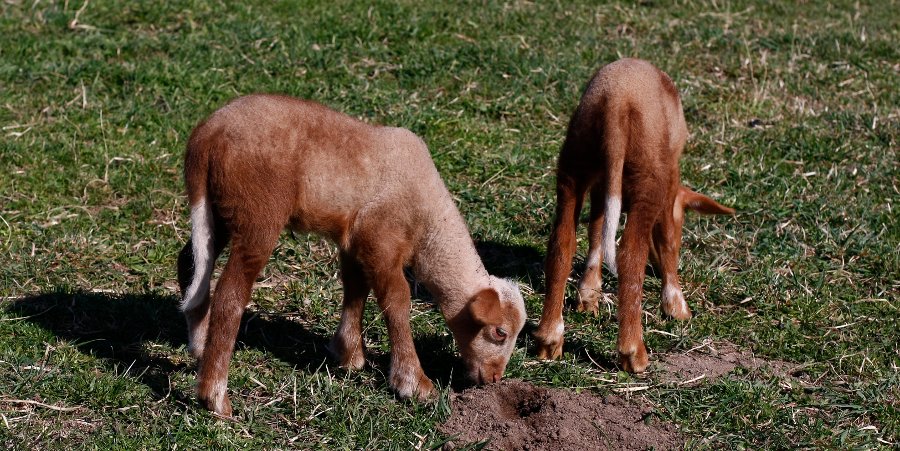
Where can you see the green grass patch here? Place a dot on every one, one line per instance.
(794, 120)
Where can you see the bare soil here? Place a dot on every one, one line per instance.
(712, 361)
(516, 415)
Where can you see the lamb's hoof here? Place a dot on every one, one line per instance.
(682, 314)
(636, 360)
(674, 305)
(355, 361)
(549, 352)
(548, 348)
(589, 293)
(413, 387)
(217, 403)
(349, 359)
(586, 305)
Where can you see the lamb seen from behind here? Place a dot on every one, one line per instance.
(265, 162)
(622, 148)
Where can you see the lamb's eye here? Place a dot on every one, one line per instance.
(500, 332)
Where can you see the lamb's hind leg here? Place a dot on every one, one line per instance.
(631, 264)
(666, 245)
(250, 252)
(560, 249)
(347, 344)
(589, 288)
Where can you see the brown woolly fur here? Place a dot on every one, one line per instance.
(264, 162)
(622, 148)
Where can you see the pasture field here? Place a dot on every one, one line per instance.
(794, 113)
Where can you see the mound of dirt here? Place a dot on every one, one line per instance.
(516, 415)
(712, 361)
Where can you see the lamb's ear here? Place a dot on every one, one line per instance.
(691, 200)
(485, 307)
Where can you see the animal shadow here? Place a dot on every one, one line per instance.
(513, 261)
(115, 327)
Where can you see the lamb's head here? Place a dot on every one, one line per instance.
(487, 328)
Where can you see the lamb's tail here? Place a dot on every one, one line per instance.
(202, 240)
(196, 169)
(610, 224)
(615, 154)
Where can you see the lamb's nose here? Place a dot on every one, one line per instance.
(497, 377)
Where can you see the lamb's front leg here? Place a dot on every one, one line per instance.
(406, 376)
(347, 344)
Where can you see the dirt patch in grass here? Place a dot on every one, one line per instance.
(712, 361)
(516, 415)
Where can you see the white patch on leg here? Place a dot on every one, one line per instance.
(593, 259)
(219, 393)
(610, 224)
(197, 339)
(202, 248)
(220, 388)
(674, 299)
(557, 333)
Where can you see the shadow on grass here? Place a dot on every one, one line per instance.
(519, 262)
(114, 327)
(438, 358)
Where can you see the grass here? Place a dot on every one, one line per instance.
(794, 119)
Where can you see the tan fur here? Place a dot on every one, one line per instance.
(624, 142)
(265, 162)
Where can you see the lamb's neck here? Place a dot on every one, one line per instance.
(448, 265)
